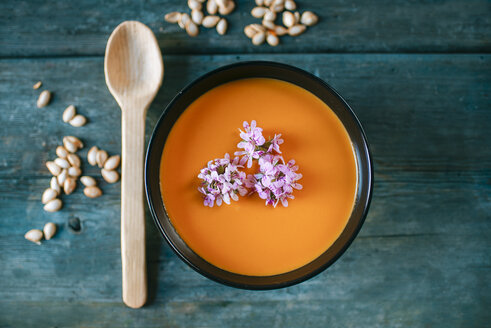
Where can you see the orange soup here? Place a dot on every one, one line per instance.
(248, 237)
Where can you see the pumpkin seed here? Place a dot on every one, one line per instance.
(210, 21)
(92, 192)
(288, 19)
(92, 155)
(49, 230)
(69, 113)
(296, 30)
(54, 185)
(88, 181)
(61, 152)
(74, 171)
(272, 40)
(63, 163)
(112, 162)
(110, 176)
(74, 160)
(222, 26)
(48, 195)
(192, 29)
(211, 7)
(258, 38)
(172, 17)
(53, 205)
(309, 18)
(101, 158)
(78, 121)
(197, 16)
(53, 168)
(34, 235)
(69, 185)
(43, 99)
(37, 85)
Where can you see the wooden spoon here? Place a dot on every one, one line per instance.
(134, 70)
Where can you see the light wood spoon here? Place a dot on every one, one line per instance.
(134, 70)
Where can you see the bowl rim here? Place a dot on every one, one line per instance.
(283, 279)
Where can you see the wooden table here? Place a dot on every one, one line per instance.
(418, 75)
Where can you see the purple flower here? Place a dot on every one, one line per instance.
(252, 140)
(274, 144)
(276, 180)
(222, 181)
(254, 144)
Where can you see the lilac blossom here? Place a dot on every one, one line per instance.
(276, 180)
(254, 144)
(222, 181)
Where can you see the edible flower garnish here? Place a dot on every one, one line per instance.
(255, 145)
(276, 180)
(222, 181)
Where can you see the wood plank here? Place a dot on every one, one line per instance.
(421, 258)
(39, 28)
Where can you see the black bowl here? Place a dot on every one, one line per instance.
(265, 70)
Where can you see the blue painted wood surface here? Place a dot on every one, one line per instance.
(422, 258)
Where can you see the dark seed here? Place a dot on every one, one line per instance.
(74, 225)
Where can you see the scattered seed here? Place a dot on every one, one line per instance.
(309, 18)
(280, 30)
(92, 192)
(290, 5)
(288, 19)
(272, 40)
(53, 205)
(183, 20)
(221, 3)
(222, 26)
(62, 177)
(75, 141)
(112, 162)
(258, 38)
(63, 163)
(53, 168)
(37, 85)
(249, 31)
(69, 113)
(258, 12)
(227, 9)
(54, 185)
(268, 24)
(172, 17)
(296, 30)
(34, 235)
(88, 181)
(61, 152)
(277, 8)
(197, 16)
(192, 29)
(210, 21)
(269, 15)
(74, 171)
(78, 121)
(110, 176)
(258, 28)
(211, 7)
(101, 158)
(49, 230)
(43, 99)
(194, 5)
(92, 155)
(74, 160)
(297, 17)
(69, 146)
(48, 195)
(69, 185)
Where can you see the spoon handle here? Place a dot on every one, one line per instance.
(132, 209)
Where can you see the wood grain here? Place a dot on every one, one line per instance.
(421, 259)
(58, 27)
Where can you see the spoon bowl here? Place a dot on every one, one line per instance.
(134, 69)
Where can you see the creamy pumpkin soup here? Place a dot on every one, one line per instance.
(248, 237)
